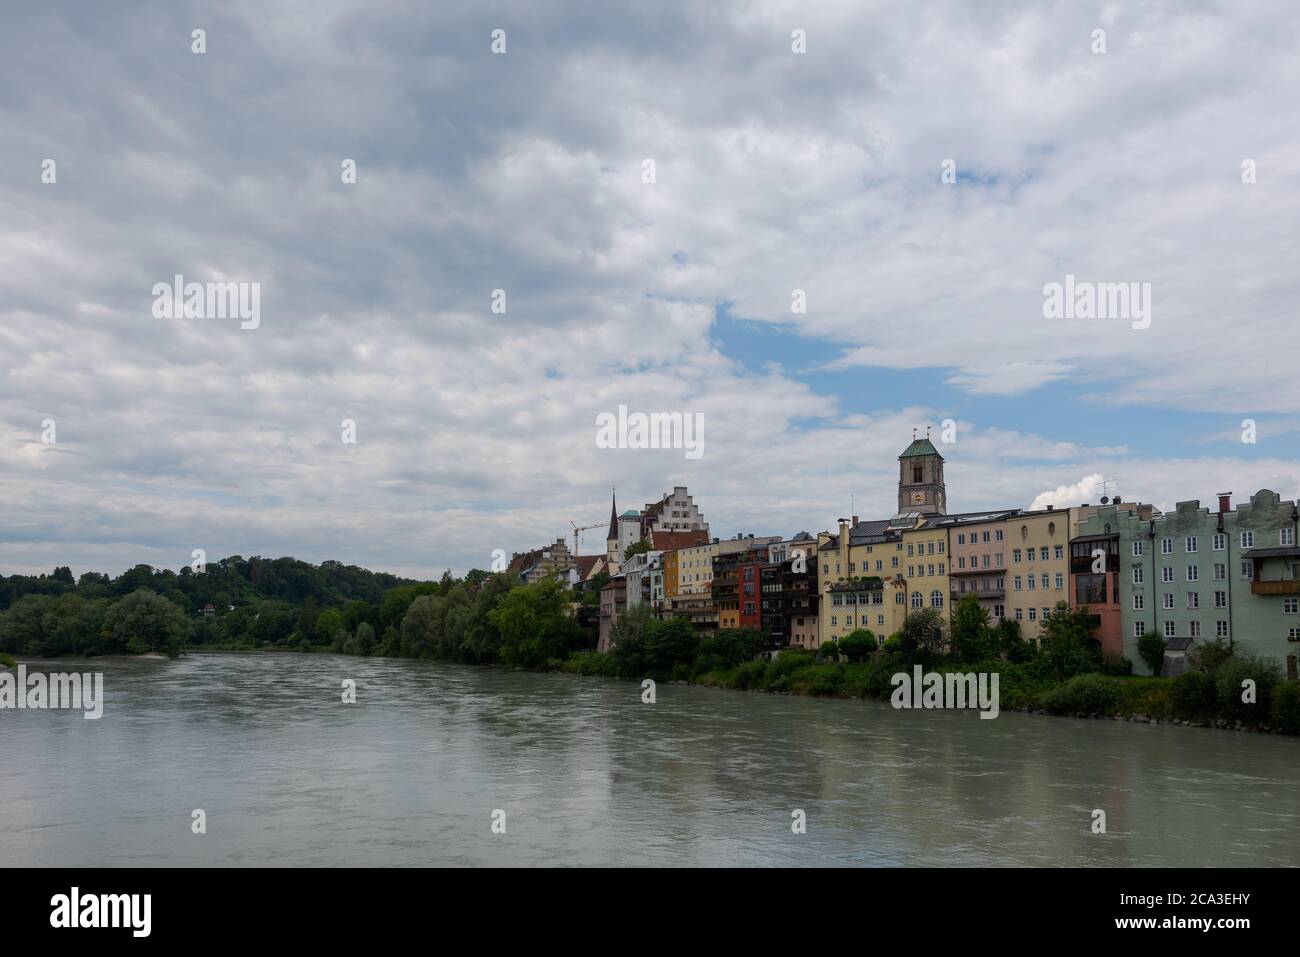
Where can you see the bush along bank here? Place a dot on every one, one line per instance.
(1064, 674)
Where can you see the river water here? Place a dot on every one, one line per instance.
(586, 774)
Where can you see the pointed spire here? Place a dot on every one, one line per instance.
(613, 518)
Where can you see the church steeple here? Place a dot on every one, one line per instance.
(920, 478)
(612, 537)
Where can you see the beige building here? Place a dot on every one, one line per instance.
(1038, 570)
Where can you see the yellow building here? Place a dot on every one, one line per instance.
(1038, 573)
(859, 574)
(925, 565)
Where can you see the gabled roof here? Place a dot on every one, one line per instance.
(920, 447)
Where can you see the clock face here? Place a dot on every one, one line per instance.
(918, 498)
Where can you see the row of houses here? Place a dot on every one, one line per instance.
(1195, 573)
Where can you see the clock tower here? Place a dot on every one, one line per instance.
(920, 478)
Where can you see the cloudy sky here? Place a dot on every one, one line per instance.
(774, 171)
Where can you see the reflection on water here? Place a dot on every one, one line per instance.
(588, 775)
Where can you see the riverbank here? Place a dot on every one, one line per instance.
(1194, 699)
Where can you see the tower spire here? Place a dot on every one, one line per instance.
(613, 518)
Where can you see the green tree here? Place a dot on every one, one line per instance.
(535, 624)
(146, 622)
(1066, 643)
(923, 638)
(971, 640)
(829, 649)
(858, 646)
(1151, 649)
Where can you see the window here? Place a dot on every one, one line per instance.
(1293, 634)
(1169, 629)
(985, 559)
(909, 551)
(1289, 606)
(961, 539)
(1031, 583)
(1139, 601)
(997, 559)
(911, 571)
(1044, 582)
(984, 536)
(961, 561)
(853, 566)
(942, 543)
(1059, 552)
(1195, 629)
(1090, 589)
(941, 571)
(834, 620)
(936, 599)
(997, 536)
(1137, 574)
(1168, 599)
(1220, 541)
(894, 561)
(1191, 543)
(1220, 629)
(1220, 599)
(1015, 583)
(917, 601)
(1060, 581)
(1248, 570)
(1286, 536)
(1029, 554)
(1220, 572)
(1020, 615)
(1247, 539)
(929, 548)
(1166, 574)
(1015, 555)
(930, 571)
(1042, 553)
(1193, 573)
(1166, 546)
(1139, 629)
(1046, 612)
(1193, 599)
(999, 611)
(1033, 614)
(1137, 549)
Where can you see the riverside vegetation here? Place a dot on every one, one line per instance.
(288, 605)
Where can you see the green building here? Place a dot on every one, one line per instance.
(1199, 574)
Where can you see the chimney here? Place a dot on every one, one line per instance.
(1117, 500)
(855, 520)
(1225, 502)
(1051, 508)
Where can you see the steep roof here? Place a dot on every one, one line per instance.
(613, 520)
(920, 447)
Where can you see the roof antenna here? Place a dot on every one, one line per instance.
(913, 433)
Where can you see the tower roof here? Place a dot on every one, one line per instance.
(613, 519)
(920, 447)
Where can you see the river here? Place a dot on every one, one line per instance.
(586, 774)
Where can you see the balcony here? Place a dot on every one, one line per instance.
(1290, 587)
(980, 593)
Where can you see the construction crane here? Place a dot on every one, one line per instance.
(577, 530)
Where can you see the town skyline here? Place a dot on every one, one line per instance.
(836, 246)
